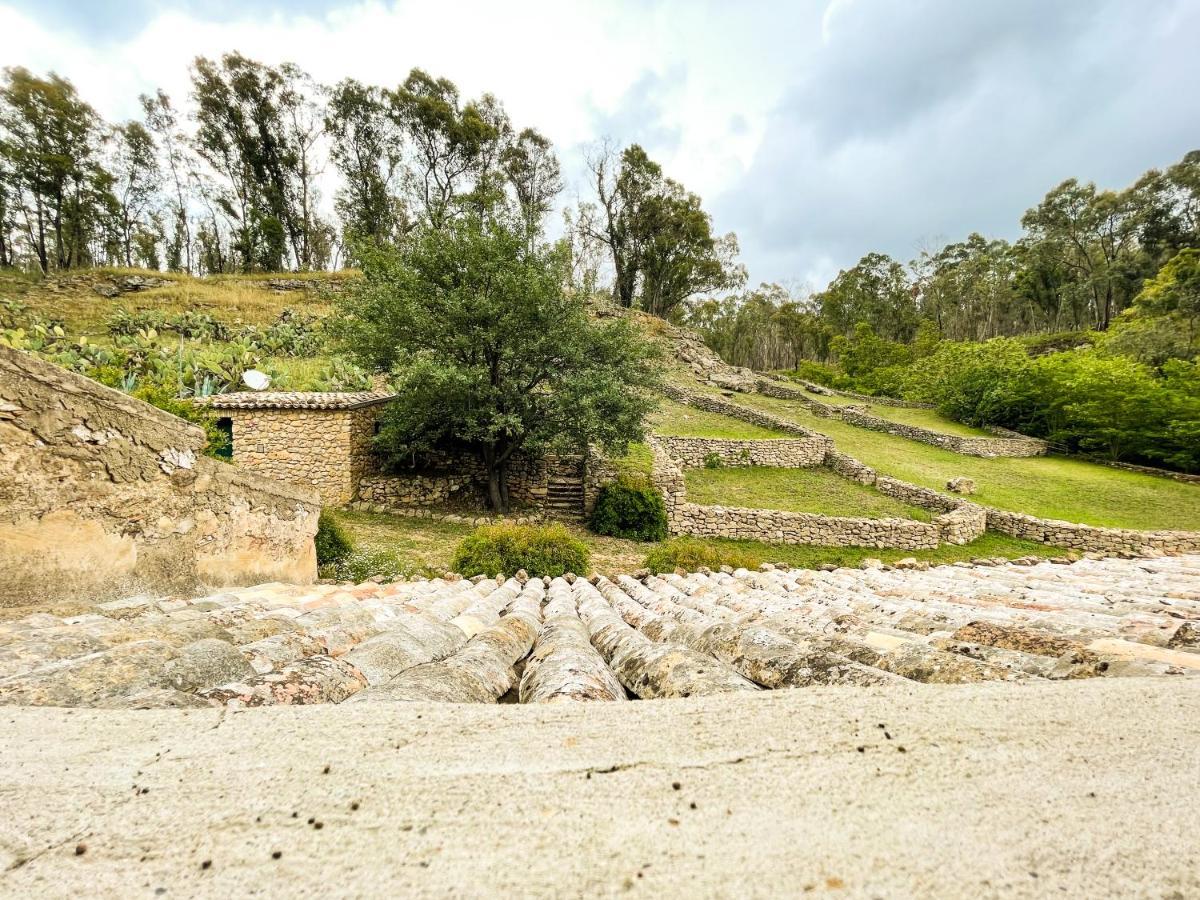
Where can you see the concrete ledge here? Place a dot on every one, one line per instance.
(702, 797)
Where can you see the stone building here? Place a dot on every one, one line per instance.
(321, 439)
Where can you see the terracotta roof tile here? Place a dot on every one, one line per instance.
(296, 399)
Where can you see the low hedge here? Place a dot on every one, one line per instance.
(548, 550)
(691, 554)
(628, 509)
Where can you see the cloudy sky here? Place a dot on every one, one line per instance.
(815, 129)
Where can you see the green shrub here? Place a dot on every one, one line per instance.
(628, 509)
(539, 550)
(818, 373)
(713, 461)
(359, 565)
(333, 543)
(691, 554)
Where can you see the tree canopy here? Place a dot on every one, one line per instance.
(490, 349)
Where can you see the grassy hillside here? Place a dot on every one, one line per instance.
(1050, 487)
(251, 306)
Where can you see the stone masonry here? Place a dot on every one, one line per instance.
(1003, 443)
(103, 496)
(317, 439)
(784, 453)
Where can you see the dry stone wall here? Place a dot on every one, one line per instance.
(737, 411)
(958, 522)
(1091, 538)
(1004, 443)
(784, 453)
(457, 480)
(103, 496)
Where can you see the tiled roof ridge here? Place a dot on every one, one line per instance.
(296, 399)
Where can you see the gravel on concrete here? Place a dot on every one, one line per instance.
(997, 789)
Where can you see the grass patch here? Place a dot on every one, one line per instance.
(231, 299)
(677, 420)
(815, 490)
(689, 553)
(424, 546)
(635, 464)
(1051, 487)
(926, 418)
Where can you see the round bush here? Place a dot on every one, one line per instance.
(691, 554)
(333, 544)
(540, 550)
(628, 510)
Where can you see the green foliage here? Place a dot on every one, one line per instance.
(332, 540)
(629, 509)
(691, 554)
(360, 565)
(164, 398)
(490, 351)
(540, 550)
(819, 373)
(865, 351)
(658, 237)
(876, 292)
(713, 461)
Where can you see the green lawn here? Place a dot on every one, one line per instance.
(676, 420)
(691, 553)
(1050, 486)
(636, 462)
(926, 418)
(426, 547)
(797, 490)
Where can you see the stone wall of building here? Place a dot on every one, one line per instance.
(784, 453)
(103, 496)
(318, 447)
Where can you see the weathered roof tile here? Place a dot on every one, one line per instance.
(332, 400)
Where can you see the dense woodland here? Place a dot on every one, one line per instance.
(1084, 330)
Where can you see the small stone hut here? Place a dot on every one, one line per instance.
(316, 438)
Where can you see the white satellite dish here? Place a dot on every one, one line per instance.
(256, 380)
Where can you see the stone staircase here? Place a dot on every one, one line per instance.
(484, 640)
(564, 489)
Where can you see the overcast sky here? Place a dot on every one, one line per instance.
(817, 131)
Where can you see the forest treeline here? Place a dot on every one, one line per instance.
(1083, 258)
(262, 168)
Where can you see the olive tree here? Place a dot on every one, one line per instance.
(491, 350)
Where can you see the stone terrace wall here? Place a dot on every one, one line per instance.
(457, 480)
(1005, 443)
(959, 522)
(103, 496)
(737, 411)
(785, 453)
(1019, 446)
(782, 527)
(1090, 537)
(878, 401)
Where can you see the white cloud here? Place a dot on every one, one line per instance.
(816, 130)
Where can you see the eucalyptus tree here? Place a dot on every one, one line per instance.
(175, 161)
(55, 186)
(658, 237)
(134, 169)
